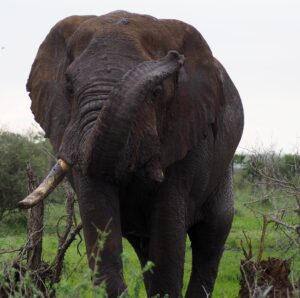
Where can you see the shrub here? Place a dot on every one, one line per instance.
(15, 152)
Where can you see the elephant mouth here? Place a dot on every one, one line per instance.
(110, 132)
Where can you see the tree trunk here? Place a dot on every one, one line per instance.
(35, 226)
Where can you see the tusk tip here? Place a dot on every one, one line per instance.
(25, 205)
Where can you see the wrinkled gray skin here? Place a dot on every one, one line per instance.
(149, 120)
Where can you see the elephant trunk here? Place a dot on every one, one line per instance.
(112, 128)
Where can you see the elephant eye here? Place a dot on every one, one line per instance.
(157, 92)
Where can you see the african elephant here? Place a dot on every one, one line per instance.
(145, 123)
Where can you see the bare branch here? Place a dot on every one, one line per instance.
(2, 252)
(58, 263)
(262, 239)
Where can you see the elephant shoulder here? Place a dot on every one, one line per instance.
(230, 94)
(232, 115)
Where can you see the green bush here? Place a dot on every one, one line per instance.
(15, 152)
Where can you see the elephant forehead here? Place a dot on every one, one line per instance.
(105, 56)
(150, 35)
(102, 44)
(97, 25)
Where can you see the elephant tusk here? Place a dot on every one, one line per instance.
(55, 176)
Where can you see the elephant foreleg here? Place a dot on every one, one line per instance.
(208, 238)
(167, 243)
(141, 247)
(99, 209)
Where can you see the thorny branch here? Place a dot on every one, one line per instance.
(70, 214)
(41, 271)
(67, 236)
(262, 278)
(2, 252)
(267, 174)
(58, 263)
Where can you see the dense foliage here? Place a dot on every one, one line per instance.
(15, 152)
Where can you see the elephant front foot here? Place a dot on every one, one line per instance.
(113, 284)
(99, 210)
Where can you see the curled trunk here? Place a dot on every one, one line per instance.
(101, 152)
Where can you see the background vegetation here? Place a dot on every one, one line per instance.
(16, 151)
(266, 186)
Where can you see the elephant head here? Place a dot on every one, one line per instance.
(116, 98)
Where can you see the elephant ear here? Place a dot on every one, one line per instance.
(47, 84)
(194, 110)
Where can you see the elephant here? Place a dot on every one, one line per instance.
(144, 121)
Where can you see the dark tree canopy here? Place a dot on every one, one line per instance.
(15, 152)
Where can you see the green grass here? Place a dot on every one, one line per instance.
(76, 279)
